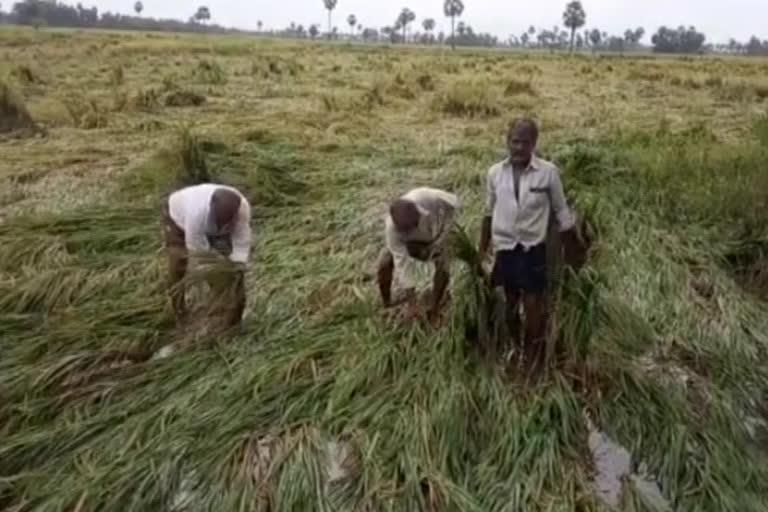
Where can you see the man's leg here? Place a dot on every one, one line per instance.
(239, 298)
(535, 308)
(512, 296)
(385, 269)
(177, 269)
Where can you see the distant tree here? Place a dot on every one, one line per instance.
(406, 16)
(524, 38)
(429, 25)
(138, 7)
(203, 14)
(531, 30)
(370, 34)
(595, 38)
(313, 31)
(351, 21)
(629, 36)
(359, 27)
(330, 5)
(453, 9)
(682, 40)
(579, 41)
(259, 25)
(639, 33)
(574, 17)
(753, 47)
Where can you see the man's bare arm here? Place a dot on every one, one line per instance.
(439, 285)
(485, 235)
(384, 276)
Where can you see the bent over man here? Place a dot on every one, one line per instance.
(416, 229)
(522, 192)
(202, 217)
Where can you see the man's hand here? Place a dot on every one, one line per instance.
(485, 237)
(575, 249)
(433, 317)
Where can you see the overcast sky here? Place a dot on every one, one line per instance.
(719, 20)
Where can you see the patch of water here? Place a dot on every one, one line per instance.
(613, 464)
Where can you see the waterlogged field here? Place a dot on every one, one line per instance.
(321, 402)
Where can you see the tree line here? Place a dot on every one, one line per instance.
(571, 35)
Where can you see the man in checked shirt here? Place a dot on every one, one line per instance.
(416, 229)
(522, 192)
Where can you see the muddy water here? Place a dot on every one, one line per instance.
(613, 467)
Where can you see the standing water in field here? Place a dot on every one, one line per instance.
(613, 465)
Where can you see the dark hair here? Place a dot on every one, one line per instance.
(525, 123)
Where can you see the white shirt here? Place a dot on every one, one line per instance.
(437, 209)
(190, 209)
(524, 220)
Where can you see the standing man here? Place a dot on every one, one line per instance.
(202, 217)
(417, 228)
(522, 192)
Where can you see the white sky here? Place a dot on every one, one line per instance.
(719, 20)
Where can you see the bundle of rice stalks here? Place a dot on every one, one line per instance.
(26, 76)
(184, 98)
(468, 99)
(85, 113)
(14, 117)
(209, 72)
(484, 315)
(515, 87)
(147, 100)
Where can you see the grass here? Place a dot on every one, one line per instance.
(321, 401)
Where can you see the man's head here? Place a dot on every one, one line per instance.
(521, 140)
(224, 206)
(405, 215)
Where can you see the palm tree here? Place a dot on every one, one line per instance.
(138, 7)
(203, 14)
(259, 25)
(429, 26)
(574, 17)
(313, 31)
(330, 5)
(352, 21)
(406, 16)
(453, 9)
(595, 38)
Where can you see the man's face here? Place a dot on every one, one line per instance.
(407, 223)
(521, 145)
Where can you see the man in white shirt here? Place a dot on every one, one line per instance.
(416, 228)
(522, 192)
(202, 217)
